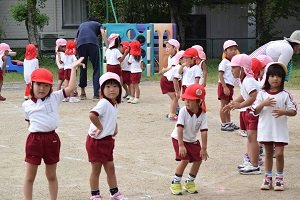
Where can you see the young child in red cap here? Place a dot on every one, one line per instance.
(42, 114)
(125, 68)
(30, 64)
(201, 62)
(192, 120)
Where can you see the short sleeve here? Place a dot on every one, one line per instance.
(291, 104)
(181, 117)
(222, 66)
(203, 125)
(100, 108)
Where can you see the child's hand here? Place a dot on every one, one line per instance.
(78, 62)
(269, 102)
(182, 151)
(203, 154)
(83, 65)
(96, 132)
(277, 112)
(226, 108)
(235, 105)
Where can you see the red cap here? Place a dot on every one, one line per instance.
(135, 48)
(256, 66)
(194, 91)
(30, 52)
(42, 75)
(125, 45)
(70, 48)
(191, 53)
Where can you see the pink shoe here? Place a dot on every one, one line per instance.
(96, 197)
(117, 196)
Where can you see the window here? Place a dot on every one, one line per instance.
(74, 12)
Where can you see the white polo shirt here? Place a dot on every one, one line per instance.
(248, 85)
(29, 67)
(223, 67)
(192, 124)
(68, 60)
(43, 115)
(176, 73)
(135, 67)
(107, 114)
(124, 64)
(189, 75)
(112, 56)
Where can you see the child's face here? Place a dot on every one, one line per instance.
(6, 52)
(297, 49)
(231, 51)
(188, 61)
(41, 90)
(170, 49)
(236, 71)
(191, 104)
(111, 91)
(275, 81)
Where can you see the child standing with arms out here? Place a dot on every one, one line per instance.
(59, 56)
(30, 64)
(4, 50)
(100, 140)
(125, 68)
(135, 61)
(166, 81)
(273, 105)
(192, 120)
(42, 114)
(226, 84)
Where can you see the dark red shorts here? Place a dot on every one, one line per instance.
(221, 95)
(166, 86)
(114, 69)
(67, 74)
(193, 151)
(61, 74)
(126, 77)
(1, 75)
(242, 121)
(250, 120)
(44, 146)
(135, 78)
(275, 144)
(100, 150)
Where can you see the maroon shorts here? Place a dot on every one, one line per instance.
(44, 146)
(126, 77)
(135, 78)
(192, 149)
(166, 86)
(61, 74)
(221, 95)
(275, 144)
(114, 69)
(250, 120)
(242, 121)
(1, 75)
(67, 74)
(100, 150)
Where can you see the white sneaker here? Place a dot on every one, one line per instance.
(250, 170)
(66, 99)
(135, 101)
(130, 100)
(242, 166)
(243, 133)
(128, 97)
(74, 100)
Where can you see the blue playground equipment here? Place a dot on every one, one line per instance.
(10, 67)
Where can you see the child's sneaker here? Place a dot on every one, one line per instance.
(260, 161)
(176, 188)
(74, 100)
(96, 197)
(278, 185)
(267, 183)
(245, 164)
(250, 170)
(83, 96)
(172, 118)
(190, 187)
(2, 98)
(130, 99)
(66, 99)
(135, 101)
(117, 196)
(243, 133)
(234, 126)
(226, 127)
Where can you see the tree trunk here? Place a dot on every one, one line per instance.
(263, 22)
(178, 20)
(32, 28)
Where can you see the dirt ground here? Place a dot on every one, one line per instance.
(143, 155)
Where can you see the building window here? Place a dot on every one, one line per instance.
(74, 12)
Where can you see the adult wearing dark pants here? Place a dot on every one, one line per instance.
(88, 47)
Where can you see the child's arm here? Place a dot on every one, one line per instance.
(4, 59)
(143, 66)
(229, 107)
(248, 102)
(72, 83)
(204, 70)
(225, 88)
(203, 151)
(116, 131)
(197, 79)
(95, 120)
(176, 87)
(182, 149)
(267, 102)
(277, 112)
(104, 37)
(120, 59)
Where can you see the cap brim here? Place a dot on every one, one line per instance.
(291, 40)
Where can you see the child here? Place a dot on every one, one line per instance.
(100, 141)
(273, 104)
(4, 50)
(226, 84)
(68, 59)
(135, 62)
(192, 119)
(125, 68)
(113, 55)
(166, 81)
(30, 64)
(241, 68)
(42, 114)
(59, 55)
(201, 62)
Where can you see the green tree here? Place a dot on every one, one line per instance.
(27, 11)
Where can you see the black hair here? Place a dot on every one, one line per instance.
(60, 48)
(32, 93)
(93, 18)
(111, 81)
(137, 58)
(274, 70)
(117, 43)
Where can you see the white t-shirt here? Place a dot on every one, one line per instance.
(223, 67)
(29, 67)
(192, 125)
(68, 60)
(124, 64)
(135, 67)
(248, 85)
(1, 62)
(108, 117)
(43, 115)
(271, 129)
(59, 57)
(112, 56)
(169, 74)
(176, 73)
(189, 75)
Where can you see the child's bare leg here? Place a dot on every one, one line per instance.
(279, 155)
(126, 88)
(59, 84)
(224, 116)
(174, 102)
(52, 180)
(94, 177)
(111, 175)
(31, 171)
(268, 157)
(136, 91)
(195, 167)
(253, 147)
(181, 167)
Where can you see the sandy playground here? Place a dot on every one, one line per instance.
(144, 156)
